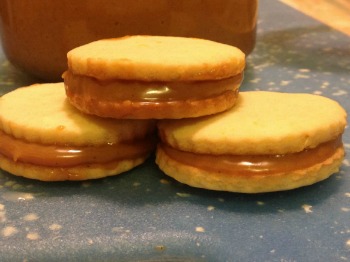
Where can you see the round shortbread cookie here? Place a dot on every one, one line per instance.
(43, 137)
(156, 58)
(41, 113)
(260, 123)
(268, 142)
(153, 77)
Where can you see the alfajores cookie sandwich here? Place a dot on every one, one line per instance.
(268, 142)
(42, 136)
(157, 77)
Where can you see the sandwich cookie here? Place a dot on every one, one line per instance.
(42, 136)
(158, 77)
(268, 142)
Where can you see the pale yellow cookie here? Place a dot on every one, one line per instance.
(156, 58)
(143, 77)
(43, 137)
(268, 142)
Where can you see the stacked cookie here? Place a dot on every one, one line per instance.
(118, 93)
(44, 137)
(267, 142)
(144, 77)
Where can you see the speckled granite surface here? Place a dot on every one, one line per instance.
(144, 216)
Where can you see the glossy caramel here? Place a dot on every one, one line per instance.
(142, 91)
(66, 156)
(259, 164)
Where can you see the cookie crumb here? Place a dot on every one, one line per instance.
(210, 208)
(164, 181)
(307, 208)
(33, 236)
(200, 229)
(55, 227)
(301, 76)
(9, 231)
(136, 184)
(348, 243)
(160, 248)
(30, 217)
(183, 194)
(304, 70)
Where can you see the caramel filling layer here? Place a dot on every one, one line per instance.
(256, 165)
(68, 156)
(142, 91)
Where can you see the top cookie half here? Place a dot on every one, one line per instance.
(153, 77)
(156, 58)
(261, 123)
(41, 114)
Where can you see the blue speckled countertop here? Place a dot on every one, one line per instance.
(143, 215)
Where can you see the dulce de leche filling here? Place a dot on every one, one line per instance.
(256, 164)
(19, 150)
(143, 91)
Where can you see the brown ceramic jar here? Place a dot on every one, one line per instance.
(37, 34)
